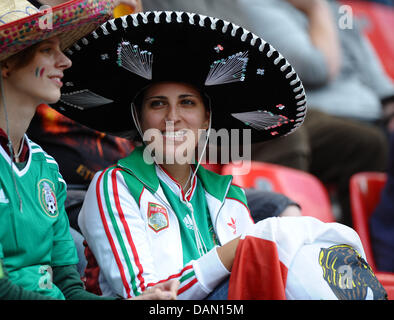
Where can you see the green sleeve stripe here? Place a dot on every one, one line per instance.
(187, 276)
(118, 233)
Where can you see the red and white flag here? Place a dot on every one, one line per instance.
(302, 258)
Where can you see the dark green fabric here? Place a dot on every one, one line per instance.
(66, 278)
(202, 217)
(10, 291)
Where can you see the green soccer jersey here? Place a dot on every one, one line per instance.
(36, 238)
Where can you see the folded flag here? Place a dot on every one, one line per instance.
(302, 258)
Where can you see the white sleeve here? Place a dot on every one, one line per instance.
(115, 232)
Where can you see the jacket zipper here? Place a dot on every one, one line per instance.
(217, 214)
(168, 206)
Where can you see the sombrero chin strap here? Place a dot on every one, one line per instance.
(201, 247)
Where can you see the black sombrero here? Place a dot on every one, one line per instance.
(250, 84)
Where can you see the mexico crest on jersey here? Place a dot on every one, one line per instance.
(47, 198)
(157, 217)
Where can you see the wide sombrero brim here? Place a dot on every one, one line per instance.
(69, 21)
(251, 86)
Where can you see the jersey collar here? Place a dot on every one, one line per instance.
(174, 185)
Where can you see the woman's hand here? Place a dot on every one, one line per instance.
(162, 291)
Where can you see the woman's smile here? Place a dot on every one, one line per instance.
(57, 80)
(179, 135)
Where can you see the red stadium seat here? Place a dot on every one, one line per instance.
(365, 189)
(387, 281)
(378, 21)
(213, 167)
(301, 187)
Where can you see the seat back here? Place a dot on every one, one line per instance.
(365, 189)
(377, 21)
(215, 167)
(301, 187)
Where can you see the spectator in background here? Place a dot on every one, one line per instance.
(382, 219)
(343, 78)
(332, 148)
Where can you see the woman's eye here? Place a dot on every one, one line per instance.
(46, 50)
(188, 102)
(157, 103)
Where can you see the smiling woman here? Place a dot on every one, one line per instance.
(173, 79)
(148, 221)
(35, 80)
(37, 253)
(176, 111)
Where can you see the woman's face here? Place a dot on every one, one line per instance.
(177, 112)
(39, 79)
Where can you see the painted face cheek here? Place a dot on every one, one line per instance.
(39, 72)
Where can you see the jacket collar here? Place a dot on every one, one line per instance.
(145, 172)
(214, 184)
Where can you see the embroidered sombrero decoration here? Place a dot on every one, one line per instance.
(23, 25)
(249, 83)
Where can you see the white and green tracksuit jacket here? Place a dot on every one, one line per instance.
(135, 234)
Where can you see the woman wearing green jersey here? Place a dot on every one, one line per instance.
(37, 253)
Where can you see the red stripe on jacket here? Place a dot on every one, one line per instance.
(173, 276)
(109, 236)
(127, 230)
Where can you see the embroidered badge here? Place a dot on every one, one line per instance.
(47, 198)
(135, 60)
(104, 56)
(149, 40)
(157, 217)
(218, 48)
(227, 70)
(260, 72)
